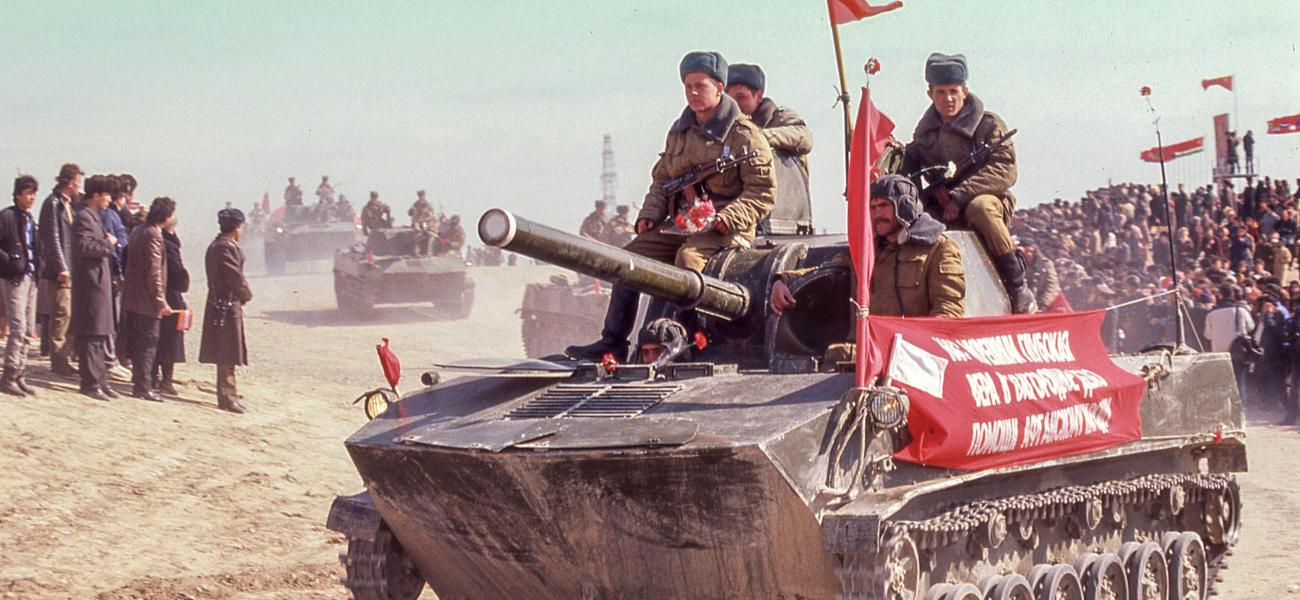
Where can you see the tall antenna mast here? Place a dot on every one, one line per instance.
(608, 174)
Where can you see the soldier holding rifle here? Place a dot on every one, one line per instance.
(955, 127)
(711, 129)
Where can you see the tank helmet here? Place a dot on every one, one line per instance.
(902, 193)
(665, 332)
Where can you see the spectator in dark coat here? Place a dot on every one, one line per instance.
(92, 289)
(55, 227)
(223, 317)
(113, 224)
(1270, 372)
(171, 336)
(144, 301)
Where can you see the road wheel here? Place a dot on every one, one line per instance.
(379, 569)
(1188, 568)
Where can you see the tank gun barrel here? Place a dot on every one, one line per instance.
(685, 288)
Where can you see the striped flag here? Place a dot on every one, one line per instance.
(1173, 151)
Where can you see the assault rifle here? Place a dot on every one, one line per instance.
(697, 175)
(953, 173)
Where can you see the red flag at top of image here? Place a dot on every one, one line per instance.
(1224, 82)
(848, 11)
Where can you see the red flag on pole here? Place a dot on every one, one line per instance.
(388, 361)
(848, 11)
(1290, 124)
(870, 137)
(1224, 82)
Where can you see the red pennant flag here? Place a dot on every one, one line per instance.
(1060, 305)
(1173, 151)
(266, 202)
(870, 136)
(388, 360)
(1224, 82)
(848, 11)
(1280, 125)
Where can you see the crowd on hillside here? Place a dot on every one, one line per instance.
(1235, 247)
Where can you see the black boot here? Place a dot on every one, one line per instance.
(620, 317)
(1011, 268)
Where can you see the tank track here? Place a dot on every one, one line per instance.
(969, 549)
(379, 569)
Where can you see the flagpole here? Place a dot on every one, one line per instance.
(845, 100)
(1180, 329)
(862, 329)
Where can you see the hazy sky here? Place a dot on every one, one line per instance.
(504, 103)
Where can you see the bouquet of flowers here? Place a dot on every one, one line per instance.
(699, 218)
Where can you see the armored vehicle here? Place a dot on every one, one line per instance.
(760, 471)
(386, 269)
(561, 312)
(296, 238)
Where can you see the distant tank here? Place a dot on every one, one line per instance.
(564, 311)
(296, 238)
(710, 479)
(387, 270)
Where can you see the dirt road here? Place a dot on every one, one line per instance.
(135, 500)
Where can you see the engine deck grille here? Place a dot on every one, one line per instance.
(620, 400)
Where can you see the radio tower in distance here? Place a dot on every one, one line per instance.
(608, 174)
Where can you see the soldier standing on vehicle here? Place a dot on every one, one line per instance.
(325, 191)
(292, 194)
(375, 215)
(711, 127)
(784, 130)
(620, 231)
(223, 341)
(593, 227)
(954, 125)
(933, 285)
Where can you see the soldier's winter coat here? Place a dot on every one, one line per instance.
(937, 143)
(785, 132)
(223, 317)
(742, 196)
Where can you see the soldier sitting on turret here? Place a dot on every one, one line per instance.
(711, 126)
(451, 237)
(918, 271)
(375, 215)
(619, 230)
(949, 131)
(784, 130)
(593, 226)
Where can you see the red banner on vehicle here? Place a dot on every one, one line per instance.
(998, 391)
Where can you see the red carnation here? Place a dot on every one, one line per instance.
(873, 66)
(1146, 90)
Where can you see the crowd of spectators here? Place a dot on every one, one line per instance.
(1236, 248)
(92, 277)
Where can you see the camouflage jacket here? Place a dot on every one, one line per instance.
(742, 196)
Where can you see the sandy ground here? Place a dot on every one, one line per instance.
(182, 501)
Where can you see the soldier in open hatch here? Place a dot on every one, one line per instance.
(918, 271)
(711, 127)
(593, 226)
(950, 130)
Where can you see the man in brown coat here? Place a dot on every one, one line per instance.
(92, 288)
(918, 272)
(144, 297)
(223, 318)
(711, 126)
(954, 125)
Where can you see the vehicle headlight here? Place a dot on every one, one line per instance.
(889, 408)
(279, 229)
(376, 401)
